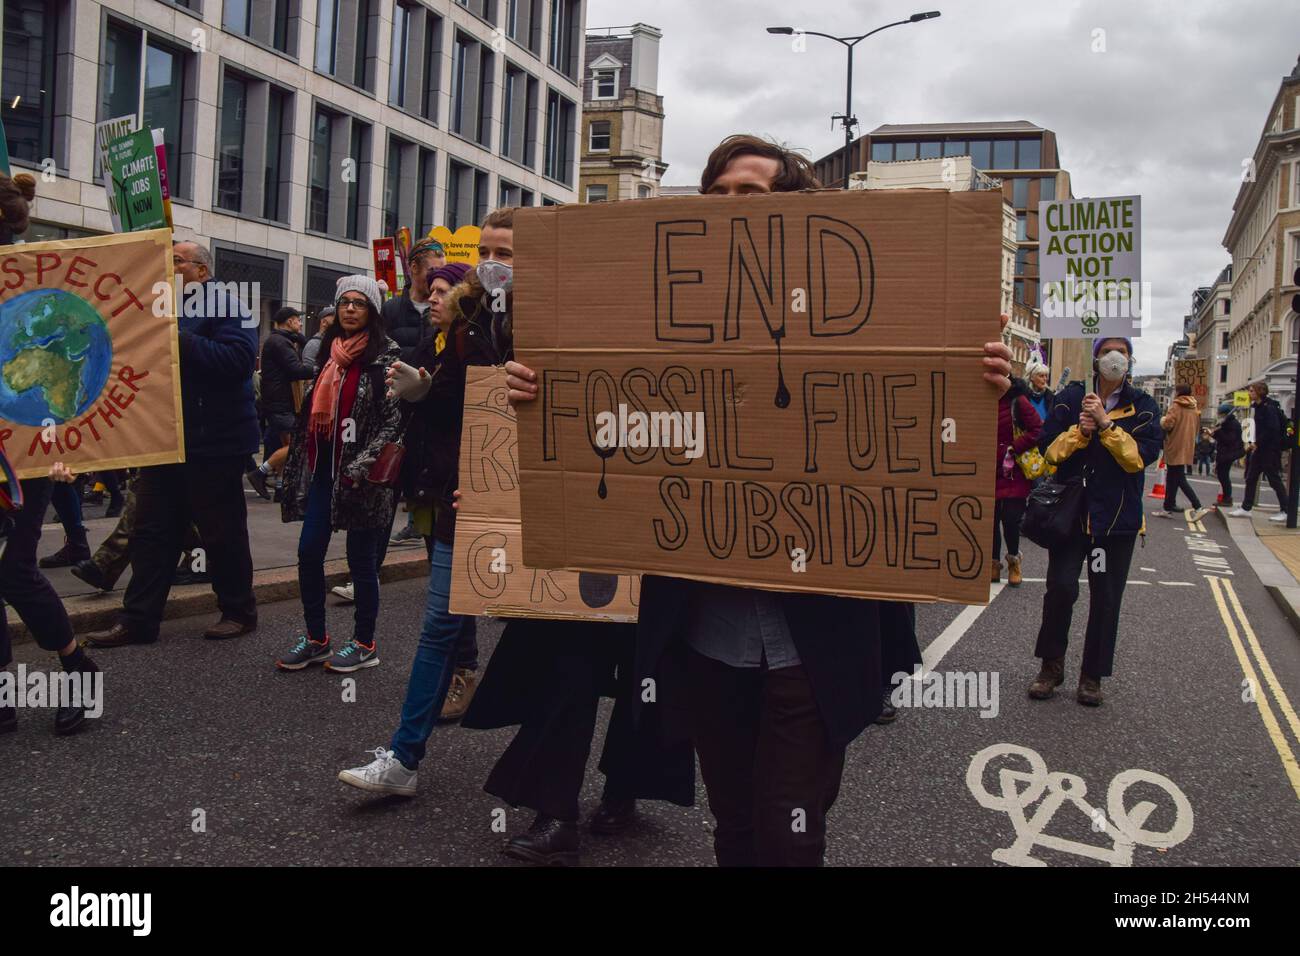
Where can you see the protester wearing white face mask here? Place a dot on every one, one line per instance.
(1108, 437)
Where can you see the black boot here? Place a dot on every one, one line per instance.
(548, 842)
(888, 712)
(89, 572)
(8, 718)
(612, 816)
(68, 719)
(75, 548)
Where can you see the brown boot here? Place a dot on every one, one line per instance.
(459, 694)
(1089, 692)
(1049, 678)
(997, 572)
(1013, 570)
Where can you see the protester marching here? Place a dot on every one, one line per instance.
(716, 479)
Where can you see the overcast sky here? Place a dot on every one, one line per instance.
(1168, 111)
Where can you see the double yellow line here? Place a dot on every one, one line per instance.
(1225, 594)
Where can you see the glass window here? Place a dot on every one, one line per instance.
(392, 186)
(599, 141)
(1022, 226)
(1224, 346)
(1022, 261)
(1031, 154)
(279, 141)
(1020, 193)
(426, 183)
(597, 192)
(359, 76)
(954, 147)
(1047, 189)
(230, 144)
(119, 74)
(1223, 373)
(236, 16)
(1020, 291)
(328, 12)
(560, 115)
(318, 190)
(981, 154)
(1004, 154)
(31, 32)
(356, 207)
(603, 83)
(397, 55)
(642, 191)
(882, 152)
(930, 150)
(164, 96)
(904, 151)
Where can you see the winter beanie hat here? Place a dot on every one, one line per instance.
(372, 290)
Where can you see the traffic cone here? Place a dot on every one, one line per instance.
(1158, 491)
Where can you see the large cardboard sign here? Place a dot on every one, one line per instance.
(1090, 264)
(782, 391)
(1193, 372)
(489, 575)
(89, 361)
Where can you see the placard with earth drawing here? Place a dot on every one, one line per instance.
(89, 357)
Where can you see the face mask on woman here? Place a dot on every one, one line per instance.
(496, 276)
(1113, 365)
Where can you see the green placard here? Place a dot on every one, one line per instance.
(133, 167)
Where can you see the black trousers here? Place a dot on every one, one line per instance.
(770, 771)
(208, 492)
(22, 586)
(1268, 465)
(1108, 560)
(1006, 523)
(545, 764)
(1177, 479)
(1223, 471)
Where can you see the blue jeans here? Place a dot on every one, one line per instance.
(314, 541)
(432, 668)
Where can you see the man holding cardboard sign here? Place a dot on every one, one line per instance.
(762, 317)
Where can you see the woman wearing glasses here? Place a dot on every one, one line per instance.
(346, 420)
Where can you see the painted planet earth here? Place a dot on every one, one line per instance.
(55, 357)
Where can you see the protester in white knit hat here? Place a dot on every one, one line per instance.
(346, 420)
(1036, 378)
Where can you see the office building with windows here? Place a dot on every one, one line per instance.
(1210, 307)
(622, 115)
(1026, 160)
(1263, 239)
(299, 130)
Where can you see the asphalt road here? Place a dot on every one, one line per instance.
(191, 725)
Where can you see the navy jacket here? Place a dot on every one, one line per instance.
(217, 359)
(1113, 463)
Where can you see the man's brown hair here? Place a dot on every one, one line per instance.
(503, 218)
(795, 173)
(1182, 389)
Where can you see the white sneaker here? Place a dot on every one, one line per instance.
(384, 774)
(1160, 513)
(344, 591)
(1238, 513)
(1279, 518)
(1200, 513)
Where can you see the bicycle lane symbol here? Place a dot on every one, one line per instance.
(1019, 789)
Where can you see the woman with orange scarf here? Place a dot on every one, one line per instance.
(346, 419)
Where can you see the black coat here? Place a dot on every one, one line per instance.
(1227, 440)
(217, 357)
(1270, 427)
(538, 659)
(282, 365)
(403, 322)
(838, 640)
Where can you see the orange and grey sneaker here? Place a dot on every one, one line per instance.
(305, 653)
(354, 656)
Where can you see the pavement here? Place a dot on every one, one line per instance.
(206, 755)
(274, 548)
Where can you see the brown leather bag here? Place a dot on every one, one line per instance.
(386, 470)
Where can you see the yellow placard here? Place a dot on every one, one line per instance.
(1241, 399)
(461, 245)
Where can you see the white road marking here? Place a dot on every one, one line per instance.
(1017, 789)
(1175, 584)
(941, 645)
(1149, 569)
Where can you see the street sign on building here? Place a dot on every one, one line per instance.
(1090, 262)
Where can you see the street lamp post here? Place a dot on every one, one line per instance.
(849, 43)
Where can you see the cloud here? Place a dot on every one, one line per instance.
(1168, 111)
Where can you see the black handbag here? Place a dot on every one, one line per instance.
(1052, 512)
